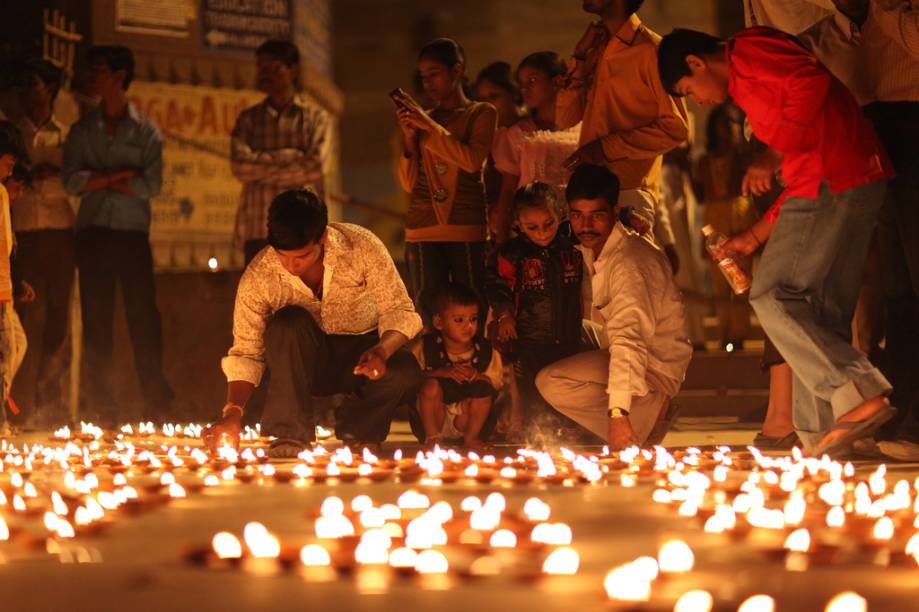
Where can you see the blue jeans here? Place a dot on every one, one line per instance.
(804, 294)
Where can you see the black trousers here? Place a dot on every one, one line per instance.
(105, 258)
(897, 124)
(46, 261)
(431, 265)
(305, 361)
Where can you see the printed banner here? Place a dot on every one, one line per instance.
(200, 194)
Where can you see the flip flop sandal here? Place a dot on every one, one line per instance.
(899, 450)
(855, 430)
(286, 448)
(764, 442)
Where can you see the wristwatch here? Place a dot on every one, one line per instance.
(617, 413)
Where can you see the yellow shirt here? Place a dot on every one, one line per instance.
(626, 107)
(6, 248)
(445, 181)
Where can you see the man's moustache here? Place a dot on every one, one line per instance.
(588, 235)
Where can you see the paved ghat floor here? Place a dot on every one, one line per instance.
(138, 561)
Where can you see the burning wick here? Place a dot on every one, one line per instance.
(757, 603)
(847, 602)
(261, 544)
(675, 557)
(694, 601)
(883, 529)
(431, 562)
(798, 541)
(227, 546)
(562, 562)
(632, 581)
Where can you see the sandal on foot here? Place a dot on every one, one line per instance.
(764, 442)
(899, 450)
(855, 430)
(286, 448)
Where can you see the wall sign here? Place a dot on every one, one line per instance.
(244, 24)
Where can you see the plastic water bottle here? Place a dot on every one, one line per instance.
(730, 267)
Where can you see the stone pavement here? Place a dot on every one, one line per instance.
(137, 562)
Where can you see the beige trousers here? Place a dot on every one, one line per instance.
(576, 387)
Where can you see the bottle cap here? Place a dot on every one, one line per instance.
(707, 230)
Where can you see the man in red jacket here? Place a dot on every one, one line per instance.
(819, 229)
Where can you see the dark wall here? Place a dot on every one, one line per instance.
(197, 314)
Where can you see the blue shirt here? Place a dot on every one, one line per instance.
(136, 144)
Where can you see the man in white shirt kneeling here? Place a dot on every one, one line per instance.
(621, 389)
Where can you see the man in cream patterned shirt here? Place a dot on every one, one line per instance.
(325, 310)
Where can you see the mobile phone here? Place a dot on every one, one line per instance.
(396, 95)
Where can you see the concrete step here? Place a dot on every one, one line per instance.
(722, 384)
(747, 405)
(722, 370)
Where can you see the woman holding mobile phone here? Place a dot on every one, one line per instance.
(441, 167)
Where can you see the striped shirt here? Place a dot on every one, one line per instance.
(879, 61)
(272, 151)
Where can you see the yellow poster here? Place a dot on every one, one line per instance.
(200, 194)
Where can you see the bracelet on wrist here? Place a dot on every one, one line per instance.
(228, 408)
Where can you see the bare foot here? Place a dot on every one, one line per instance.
(477, 445)
(432, 441)
(515, 436)
(862, 412)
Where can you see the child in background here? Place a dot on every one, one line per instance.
(495, 84)
(445, 150)
(464, 372)
(533, 148)
(12, 337)
(534, 288)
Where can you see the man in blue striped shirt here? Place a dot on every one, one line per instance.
(113, 161)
